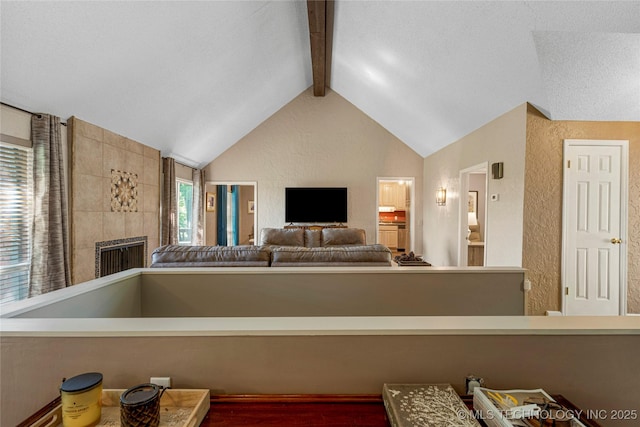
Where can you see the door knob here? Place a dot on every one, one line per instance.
(616, 241)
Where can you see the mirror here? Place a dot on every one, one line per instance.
(231, 214)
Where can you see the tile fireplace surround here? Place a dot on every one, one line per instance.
(100, 214)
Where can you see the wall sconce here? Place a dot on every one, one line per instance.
(497, 170)
(441, 197)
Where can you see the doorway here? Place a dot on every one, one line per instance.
(231, 213)
(395, 216)
(594, 227)
(473, 216)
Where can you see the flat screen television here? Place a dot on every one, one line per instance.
(315, 204)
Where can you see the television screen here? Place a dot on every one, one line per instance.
(315, 204)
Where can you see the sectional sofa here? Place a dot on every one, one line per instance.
(290, 247)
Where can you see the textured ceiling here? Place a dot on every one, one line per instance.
(192, 78)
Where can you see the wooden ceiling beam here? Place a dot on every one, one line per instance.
(320, 14)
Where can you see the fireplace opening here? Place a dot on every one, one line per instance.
(119, 255)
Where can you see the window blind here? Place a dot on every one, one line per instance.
(16, 177)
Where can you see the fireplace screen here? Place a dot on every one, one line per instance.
(119, 255)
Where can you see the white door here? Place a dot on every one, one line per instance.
(594, 225)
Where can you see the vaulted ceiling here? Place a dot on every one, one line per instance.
(192, 78)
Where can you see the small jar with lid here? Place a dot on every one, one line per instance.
(81, 398)
(140, 406)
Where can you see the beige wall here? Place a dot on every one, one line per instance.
(501, 140)
(478, 182)
(543, 204)
(524, 226)
(94, 153)
(184, 172)
(15, 123)
(245, 225)
(319, 141)
(210, 230)
(246, 219)
(593, 371)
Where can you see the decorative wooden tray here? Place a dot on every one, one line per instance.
(413, 263)
(178, 408)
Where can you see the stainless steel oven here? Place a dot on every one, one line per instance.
(402, 237)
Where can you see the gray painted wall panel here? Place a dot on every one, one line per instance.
(367, 293)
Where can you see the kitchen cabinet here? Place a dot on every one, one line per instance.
(388, 236)
(387, 194)
(401, 197)
(393, 194)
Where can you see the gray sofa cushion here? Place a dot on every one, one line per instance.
(282, 236)
(312, 238)
(211, 256)
(355, 255)
(343, 236)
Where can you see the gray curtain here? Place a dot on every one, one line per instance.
(197, 234)
(50, 254)
(169, 216)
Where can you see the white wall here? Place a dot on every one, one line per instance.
(501, 140)
(319, 141)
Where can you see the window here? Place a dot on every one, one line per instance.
(16, 183)
(185, 211)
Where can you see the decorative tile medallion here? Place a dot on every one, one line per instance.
(124, 191)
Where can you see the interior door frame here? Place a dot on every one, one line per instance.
(624, 215)
(412, 208)
(255, 204)
(463, 217)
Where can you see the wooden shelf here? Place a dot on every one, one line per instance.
(315, 410)
(314, 227)
(323, 410)
(296, 410)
